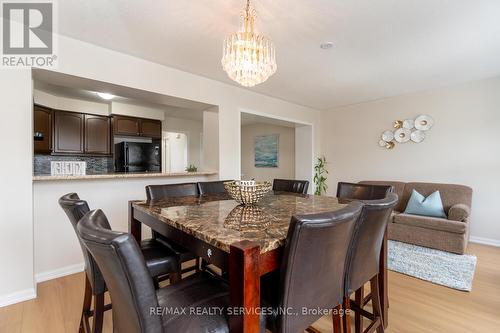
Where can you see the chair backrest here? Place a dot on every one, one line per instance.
(358, 191)
(364, 258)
(212, 187)
(313, 266)
(75, 209)
(127, 277)
(291, 185)
(158, 192)
(398, 188)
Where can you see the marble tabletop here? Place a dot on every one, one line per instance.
(220, 221)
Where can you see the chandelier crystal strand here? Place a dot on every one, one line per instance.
(248, 58)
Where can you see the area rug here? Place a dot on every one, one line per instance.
(443, 268)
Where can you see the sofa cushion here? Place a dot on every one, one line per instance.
(430, 206)
(450, 194)
(459, 212)
(434, 223)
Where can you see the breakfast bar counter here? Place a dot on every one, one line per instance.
(121, 175)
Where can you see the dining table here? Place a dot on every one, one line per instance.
(244, 241)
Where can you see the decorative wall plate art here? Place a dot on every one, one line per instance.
(402, 135)
(406, 130)
(424, 122)
(417, 136)
(409, 124)
(388, 136)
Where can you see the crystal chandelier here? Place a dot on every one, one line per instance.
(248, 58)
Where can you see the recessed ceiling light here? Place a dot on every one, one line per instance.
(105, 96)
(326, 46)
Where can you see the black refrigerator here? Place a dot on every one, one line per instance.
(138, 157)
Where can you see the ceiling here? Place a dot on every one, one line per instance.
(381, 48)
(252, 119)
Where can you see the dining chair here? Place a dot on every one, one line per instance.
(312, 272)
(160, 261)
(358, 191)
(215, 187)
(165, 191)
(364, 262)
(158, 192)
(291, 185)
(137, 306)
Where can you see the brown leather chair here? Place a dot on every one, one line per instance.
(137, 306)
(306, 279)
(160, 261)
(364, 260)
(291, 185)
(362, 191)
(216, 187)
(158, 192)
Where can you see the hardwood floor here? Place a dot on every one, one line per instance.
(415, 306)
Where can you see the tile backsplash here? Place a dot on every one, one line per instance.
(95, 164)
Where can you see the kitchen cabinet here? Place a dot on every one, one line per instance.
(42, 127)
(97, 135)
(151, 128)
(131, 126)
(126, 126)
(69, 132)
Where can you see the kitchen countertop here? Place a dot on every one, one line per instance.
(121, 175)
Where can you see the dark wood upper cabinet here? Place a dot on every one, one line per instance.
(131, 126)
(69, 132)
(97, 134)
(42, 126)
(126, 126)
(151, 128)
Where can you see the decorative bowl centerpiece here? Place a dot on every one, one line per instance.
(247, 192)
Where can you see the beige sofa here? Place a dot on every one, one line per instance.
(448, 234)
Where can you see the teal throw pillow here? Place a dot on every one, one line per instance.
(430, 206)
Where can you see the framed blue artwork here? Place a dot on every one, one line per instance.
(266, 151)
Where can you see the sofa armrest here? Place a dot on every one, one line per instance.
(459, 212)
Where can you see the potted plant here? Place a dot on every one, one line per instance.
(191, 168)
(320, 173)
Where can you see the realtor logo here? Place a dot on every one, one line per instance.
(27, 34)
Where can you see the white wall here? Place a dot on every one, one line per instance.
(211, 148)
(131, 110)
(16, 223)
(286, 152)
(462, 147)
(304, 157)
(70, 104)
(193, 129)
(93, 62)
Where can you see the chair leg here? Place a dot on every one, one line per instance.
(358, 319)
(346, 318)
(174, 278)
(98, 313)
(156, 283)
(377, 308)
(201, 265)
(87, 303)
(337, 319)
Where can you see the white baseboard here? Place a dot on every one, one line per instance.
(60, 272)
(20, 296)
(485, 241)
